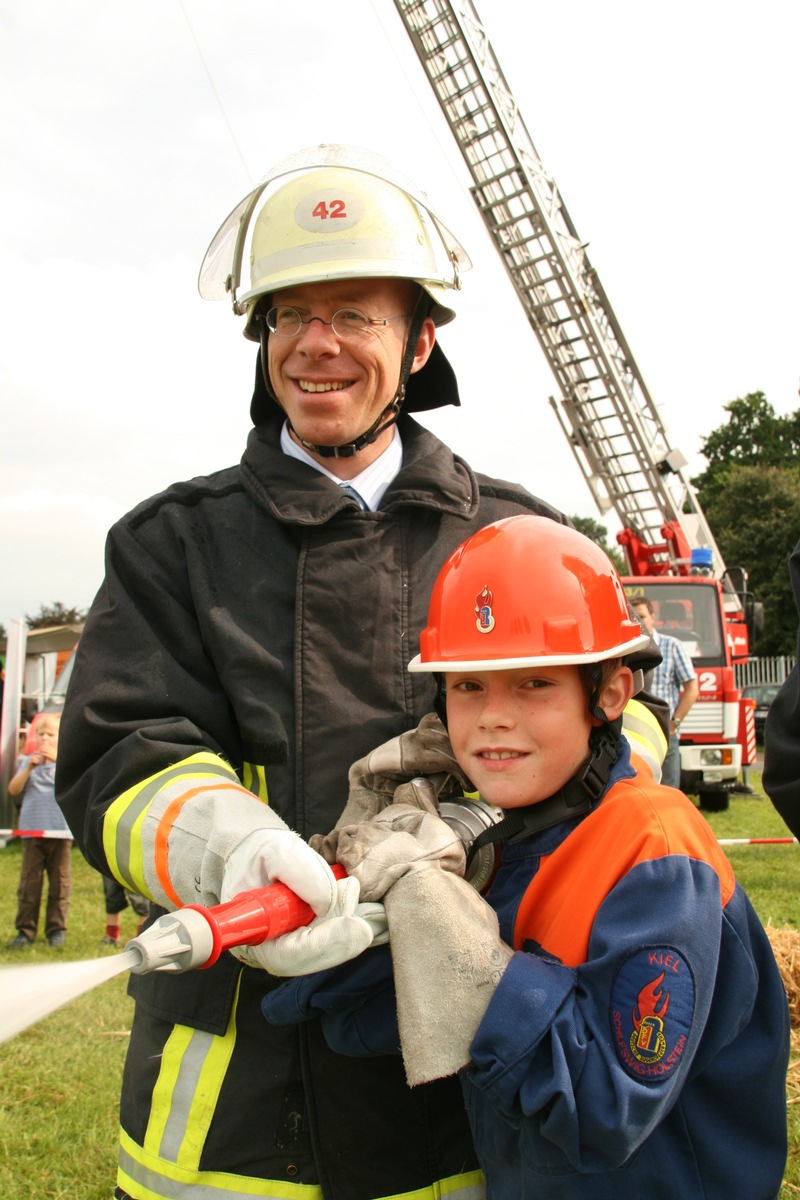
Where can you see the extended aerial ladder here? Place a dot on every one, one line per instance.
(605, 410)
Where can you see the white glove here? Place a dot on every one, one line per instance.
(329, 940)
(277, 854)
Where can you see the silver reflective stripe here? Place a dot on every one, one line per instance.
(186, 1086)
(136, 807)
(159, 1185)
(153, 1185)
(471, 1191)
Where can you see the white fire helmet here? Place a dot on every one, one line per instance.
(343, 213)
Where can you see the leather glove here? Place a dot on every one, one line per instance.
(448, 960)
(385, 775)
(401, 838)
(273, 854)
(336, 937)
(447, 951)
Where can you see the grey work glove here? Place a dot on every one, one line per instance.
(384, 776)
(400, 839)
(447, 953)
(448, 958)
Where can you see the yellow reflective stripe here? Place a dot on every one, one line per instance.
(645, 735)
(471, 1186)
(149, 1178)
(254, 778)
(124, 818)
(203, 1103)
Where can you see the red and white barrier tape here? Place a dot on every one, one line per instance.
(38, 833)
(757, 841)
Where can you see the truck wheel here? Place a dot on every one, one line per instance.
(713, 801)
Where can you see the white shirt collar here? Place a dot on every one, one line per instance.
(370, 483)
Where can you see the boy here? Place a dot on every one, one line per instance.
(615, 1012)
(35, 782)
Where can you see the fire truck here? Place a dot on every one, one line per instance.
(604, 407)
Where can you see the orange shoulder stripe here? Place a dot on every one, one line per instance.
(161, 846)
(635, 823)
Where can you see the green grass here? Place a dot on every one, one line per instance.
(61, 1077)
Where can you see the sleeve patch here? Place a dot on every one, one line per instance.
(652, 1006)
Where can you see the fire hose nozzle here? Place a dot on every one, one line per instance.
(175, 942)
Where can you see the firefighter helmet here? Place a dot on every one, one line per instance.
(523, 592)
(342, 213)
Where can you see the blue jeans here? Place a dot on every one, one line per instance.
(671, 766)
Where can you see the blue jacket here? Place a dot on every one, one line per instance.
(638, 1041)
(637, 1044)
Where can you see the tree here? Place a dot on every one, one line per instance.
(599, 533)
(55, 614)
(753, 437)
(750, 493)
(755, 516)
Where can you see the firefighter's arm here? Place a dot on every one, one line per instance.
(201, 838)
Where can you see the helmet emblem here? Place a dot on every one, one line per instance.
(483, 607)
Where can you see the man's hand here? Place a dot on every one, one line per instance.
(277, 854)
(342, 933)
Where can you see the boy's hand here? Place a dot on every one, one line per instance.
(400, 839)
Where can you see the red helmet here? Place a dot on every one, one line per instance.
(524, 592)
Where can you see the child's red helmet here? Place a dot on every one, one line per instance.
(526, 591)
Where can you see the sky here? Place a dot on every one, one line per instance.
(129, 131)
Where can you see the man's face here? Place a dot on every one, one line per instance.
(645, 616)
(521, 734)
(331, 390)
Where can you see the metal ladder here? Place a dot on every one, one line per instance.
(605, 409)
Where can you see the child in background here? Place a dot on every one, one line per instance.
(613, 1006)
(117, 900)
(34, 781)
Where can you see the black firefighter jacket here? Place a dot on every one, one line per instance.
(260, 615)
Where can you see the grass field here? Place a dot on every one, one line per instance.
(60, 1078)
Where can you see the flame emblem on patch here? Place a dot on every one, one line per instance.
(483, 607)
(647, 1041)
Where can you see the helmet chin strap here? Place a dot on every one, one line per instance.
(349, 449)
(384, 420)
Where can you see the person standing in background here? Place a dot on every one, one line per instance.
(674, 680)
(34, 781)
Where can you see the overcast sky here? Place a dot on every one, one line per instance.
(129, 131)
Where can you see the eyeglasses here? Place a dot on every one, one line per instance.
(346, 323)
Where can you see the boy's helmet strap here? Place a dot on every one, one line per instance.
(575, 799)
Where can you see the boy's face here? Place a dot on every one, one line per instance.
(47, 739)
(519, 735)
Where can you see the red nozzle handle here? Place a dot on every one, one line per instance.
(252, 917)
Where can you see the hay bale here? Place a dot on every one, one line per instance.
(786, 948)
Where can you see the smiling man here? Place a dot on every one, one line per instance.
(249, 642)
(337, 370)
